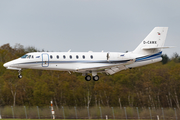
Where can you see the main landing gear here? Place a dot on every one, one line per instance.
(95, 78)
(88, 77)
(19, 76)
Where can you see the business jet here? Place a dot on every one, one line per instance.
(149, 51)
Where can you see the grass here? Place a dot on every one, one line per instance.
(95, 113)
(75, 119)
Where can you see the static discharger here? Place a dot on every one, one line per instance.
(52, 111)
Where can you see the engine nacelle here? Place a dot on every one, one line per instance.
(120, 57)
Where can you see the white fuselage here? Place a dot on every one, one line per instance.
(80, 61)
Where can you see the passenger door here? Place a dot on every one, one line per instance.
(45, 60)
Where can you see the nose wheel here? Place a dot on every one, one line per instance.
(19, 76)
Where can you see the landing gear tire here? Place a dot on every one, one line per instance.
(96, 78)
(88, 78)
(20, 76)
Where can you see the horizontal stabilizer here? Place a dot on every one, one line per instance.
(163, 47)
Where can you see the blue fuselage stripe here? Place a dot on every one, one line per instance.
(150, 57)
(79, 61)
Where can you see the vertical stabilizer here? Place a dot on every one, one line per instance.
(154, 42)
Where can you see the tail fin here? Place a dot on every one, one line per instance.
(153, 43)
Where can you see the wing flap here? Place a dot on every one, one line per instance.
(114, 70)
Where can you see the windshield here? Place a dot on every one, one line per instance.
(24, 56)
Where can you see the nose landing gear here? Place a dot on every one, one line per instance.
(19, 76)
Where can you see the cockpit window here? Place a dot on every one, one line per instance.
(24, 56)
(29, 56)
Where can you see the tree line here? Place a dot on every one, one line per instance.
(156, 85)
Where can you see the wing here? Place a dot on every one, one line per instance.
(110, 68)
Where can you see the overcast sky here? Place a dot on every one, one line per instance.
(83, 25)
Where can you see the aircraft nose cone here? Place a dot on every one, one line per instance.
(5, 65)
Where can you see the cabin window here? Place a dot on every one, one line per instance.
(70, 56)
(51, 56)
(83, 57)
(32, 56)
(57, 56)
(64, 56)
(91, 57)
(77, 57)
